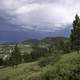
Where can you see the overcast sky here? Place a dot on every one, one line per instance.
(39, 15)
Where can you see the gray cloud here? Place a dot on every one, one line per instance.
(40, 15)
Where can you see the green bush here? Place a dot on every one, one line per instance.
(67, 68)
(48, 60)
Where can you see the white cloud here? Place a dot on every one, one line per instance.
(49, 15)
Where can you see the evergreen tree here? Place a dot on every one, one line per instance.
(1, 62)
(27, 57)
(75, 34)
(15, 56)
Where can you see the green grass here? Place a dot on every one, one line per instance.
(25, 48)
(64, 69)
(22, 72)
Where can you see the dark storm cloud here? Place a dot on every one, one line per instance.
(39, 15)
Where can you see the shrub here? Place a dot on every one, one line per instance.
(48, 60)
(68, 68)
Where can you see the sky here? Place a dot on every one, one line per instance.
(50, 17)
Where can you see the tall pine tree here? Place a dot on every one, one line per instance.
(75, 35)
(16, 56)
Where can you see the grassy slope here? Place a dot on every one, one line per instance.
(23, 71)
(31, 70)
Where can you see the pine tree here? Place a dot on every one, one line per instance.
(1, 61)
(15, 56)
(75, 34)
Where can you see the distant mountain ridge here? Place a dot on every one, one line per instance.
(47, 40)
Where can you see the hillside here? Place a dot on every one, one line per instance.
(66, 68)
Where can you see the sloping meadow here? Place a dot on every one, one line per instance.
(66, 68)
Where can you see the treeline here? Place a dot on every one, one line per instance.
(16, 57)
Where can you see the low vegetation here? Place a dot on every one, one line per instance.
(67, 67)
